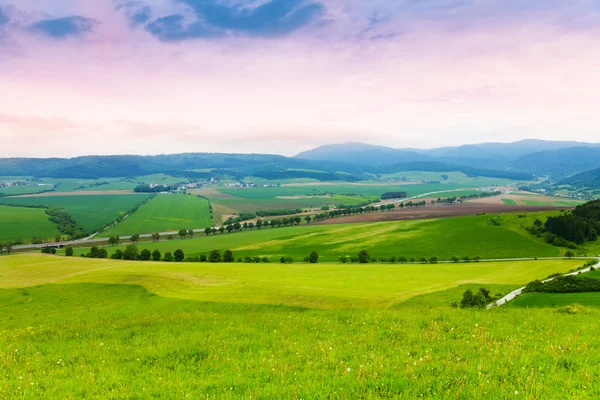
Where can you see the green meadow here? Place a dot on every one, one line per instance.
(442, 238)
(90, 212)
(81, 328)
(164, 213)
(302, 285)
(25, 223)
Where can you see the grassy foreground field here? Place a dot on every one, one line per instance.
(24, 223)
(443, 238)
(164, 213)
(89, 212)
(87, 338)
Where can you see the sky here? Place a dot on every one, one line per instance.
(282, 76)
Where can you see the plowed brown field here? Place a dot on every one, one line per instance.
(443, 211)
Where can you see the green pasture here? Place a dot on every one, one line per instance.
(321, 286)
(442, 238)
(543, 300)
(164, 213)
(24, 223)
(89, 212)
(509, 202)
(80, 328)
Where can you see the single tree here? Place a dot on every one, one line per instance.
(134, 238)
(477, 258)
(402, 259)
(168, 257)
(102, 253)
(190, 233)
(69, 252)
(364, 257)
(259, 224)
(178, 255)
(156, 255)
(245, 225)
(214, 256)
(207, 231)
(229, 228)
(297, 219)
(214, 230)
(131, 252)
(433, 260)
(117, 255)
(145, 255)
(203, 258)
(237, 226)
(265, 260)
(308, 218)
(221, 229)
(112, 240)
(250, 225)
(592, 235)
(313, 258)
(569, 254)
(467, 258)
(423, 260)
(228, 256)
(57, 238)
(455, 259)
(182, 233)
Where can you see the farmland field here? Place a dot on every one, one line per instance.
(18, 190)
(25, 223)
(76, 328)
(164, 213)
(509, 202)
(89, 212)
(442, 238)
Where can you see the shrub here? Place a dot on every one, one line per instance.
(478, 300)
(313, 258)
(265, 260)
(168, 257)
(203, 258)
(433, 260)
(156, 255)
(69, 252)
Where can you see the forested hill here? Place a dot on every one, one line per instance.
(578, 226)
(215, 165)
(588, 179)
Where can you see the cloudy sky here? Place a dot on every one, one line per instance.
(281, 76)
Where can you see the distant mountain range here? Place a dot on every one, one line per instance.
(539, 157)
(521, 160)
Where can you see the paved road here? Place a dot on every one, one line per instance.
(519, 291)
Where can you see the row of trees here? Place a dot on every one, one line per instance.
(364, 257)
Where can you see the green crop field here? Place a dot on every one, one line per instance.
(509, 202)
(165, 213)
(24, 223)
(443, 238)
(19, 190)
(89, 212)
(80, 328)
